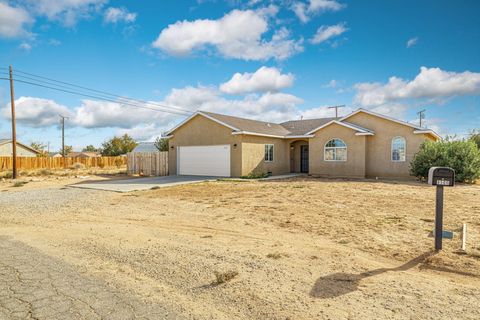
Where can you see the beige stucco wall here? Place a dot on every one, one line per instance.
(295, 154)
(201, 131)
(379, 150)
(355, 164)
(253, 152)
(6, 151)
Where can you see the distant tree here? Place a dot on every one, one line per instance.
(90, 148)
(68, 149)
(161, 144)
(475, 137)
(118, 146)
(40, 147)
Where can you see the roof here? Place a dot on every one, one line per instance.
(301, 127)
(145, 147)
(248, 125)
(293, 128)
(83, 154)
(4, 141)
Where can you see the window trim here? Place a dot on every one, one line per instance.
(404, 145)
(335, 148)
(265, 152)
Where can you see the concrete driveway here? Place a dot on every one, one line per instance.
(135, 184)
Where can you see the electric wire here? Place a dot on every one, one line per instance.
(50, 84)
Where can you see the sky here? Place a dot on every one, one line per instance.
(266, 60)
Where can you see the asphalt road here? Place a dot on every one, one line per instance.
(36, 286)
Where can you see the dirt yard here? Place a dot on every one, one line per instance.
(302, 248)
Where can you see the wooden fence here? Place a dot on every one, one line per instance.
(147, 163)
(33, 163)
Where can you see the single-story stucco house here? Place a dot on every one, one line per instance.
(22, 149)
(361, 144)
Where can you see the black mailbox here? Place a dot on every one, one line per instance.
(441, 176)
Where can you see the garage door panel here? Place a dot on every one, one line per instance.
(204, 160)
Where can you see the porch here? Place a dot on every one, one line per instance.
(299, 159)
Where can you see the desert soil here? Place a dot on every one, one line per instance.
(303, 248)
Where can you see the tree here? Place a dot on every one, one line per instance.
(161, 144)
(475, 137)
(461, 155)
(90, 148)
(68, 149)
(118, 146)
(40, 147)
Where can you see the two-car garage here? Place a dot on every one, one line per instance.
(204, 160)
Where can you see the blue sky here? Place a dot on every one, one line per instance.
(269, 60)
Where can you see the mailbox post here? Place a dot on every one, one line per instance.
(440, 177)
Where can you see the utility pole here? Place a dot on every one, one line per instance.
(14, 127)
(63, 137)
(421, 115)
(336, 109)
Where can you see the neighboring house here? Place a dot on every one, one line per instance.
(83, 154)
(55, 154)
(361, 144)
(22, 149)
(145, 147)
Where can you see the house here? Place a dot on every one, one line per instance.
(22, 149)
(145, 147)
(83, 154)
(361, 144)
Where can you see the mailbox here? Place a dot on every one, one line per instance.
(441, 176)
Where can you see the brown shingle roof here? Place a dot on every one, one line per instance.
(250, 125)
(301, 127)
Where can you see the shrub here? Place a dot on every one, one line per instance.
(222, 277)
(463, 156)
(78, 166)
(253, 175)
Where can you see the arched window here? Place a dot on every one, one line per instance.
(335, 150)
(398, 149)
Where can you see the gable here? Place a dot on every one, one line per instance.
(358, 130)
(378, 122)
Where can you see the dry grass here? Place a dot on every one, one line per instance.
(224, 276)
(389, 219)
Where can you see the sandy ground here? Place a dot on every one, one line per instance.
(303, 248)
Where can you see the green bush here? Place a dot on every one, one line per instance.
(253, 175)
(463, 156)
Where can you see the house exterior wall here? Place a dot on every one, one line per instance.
(6, 151)
(354, 166)
(201, 131)
(253, 155)
(379, 147)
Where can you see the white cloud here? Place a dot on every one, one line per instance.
(13, 21)
(304, 11)
(430, 83)
(25, 46)
(264, 79)
(411, 42)
(36, 112)
(331, 84)
(238, 34)
(115, 15)
(327, 32)
(325, 112)
(67, 12)
(54, 42)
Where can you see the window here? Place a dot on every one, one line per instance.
(335, 150)
(269, 152)
(398, 149)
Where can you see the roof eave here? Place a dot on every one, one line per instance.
(433, 133)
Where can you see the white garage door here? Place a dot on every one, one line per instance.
(204, 160)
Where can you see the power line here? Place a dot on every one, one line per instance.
(97, 91)
(103, 98)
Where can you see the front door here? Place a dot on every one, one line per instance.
(304, 159)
